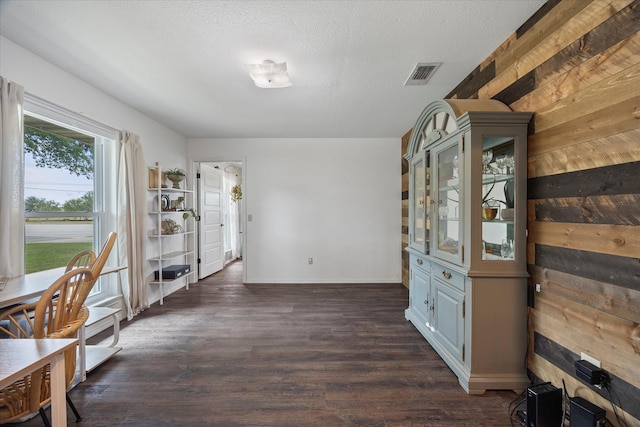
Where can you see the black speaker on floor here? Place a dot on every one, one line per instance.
(586, 414)
(544, 406)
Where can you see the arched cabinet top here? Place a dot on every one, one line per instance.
(440, 118)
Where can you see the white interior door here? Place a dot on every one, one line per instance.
(211, 235)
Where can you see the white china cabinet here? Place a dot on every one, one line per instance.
(467, 239)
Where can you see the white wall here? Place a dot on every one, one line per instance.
(335, 200)
(46, 81)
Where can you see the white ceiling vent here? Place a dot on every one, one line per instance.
(422, 73)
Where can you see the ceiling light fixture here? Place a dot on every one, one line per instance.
(269, 75)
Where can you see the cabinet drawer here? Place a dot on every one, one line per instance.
(446, 275)
(421, 263)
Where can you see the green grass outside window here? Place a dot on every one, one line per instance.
(45, 256)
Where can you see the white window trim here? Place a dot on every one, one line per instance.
(105, 192)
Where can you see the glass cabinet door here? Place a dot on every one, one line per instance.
(498, 198)
(447, 201)
(419, 215)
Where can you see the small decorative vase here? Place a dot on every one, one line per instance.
(489, 214)
(489, 210)
(176, 180)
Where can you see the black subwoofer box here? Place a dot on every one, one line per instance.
(586, 414)
(544, 405)
(173, 271)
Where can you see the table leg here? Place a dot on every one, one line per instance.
(58, 392)
(82, 350)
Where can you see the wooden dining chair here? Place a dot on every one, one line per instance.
(95, 263)
(59, 313)
(103, 255)
(82, 259)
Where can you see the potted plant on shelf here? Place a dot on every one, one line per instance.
(176, 176)
(169, 226)
(186, 213)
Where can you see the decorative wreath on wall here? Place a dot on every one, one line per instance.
(236, 193)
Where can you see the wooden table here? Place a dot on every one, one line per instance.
(23, 288)
(21, 357)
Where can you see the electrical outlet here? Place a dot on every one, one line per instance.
(590, 359)
(310, 260)
(538, 287)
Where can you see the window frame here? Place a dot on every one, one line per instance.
(104, 183)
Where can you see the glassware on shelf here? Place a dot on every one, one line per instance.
(490, 210)
(443, 212)
(455, 166)
(506, 248)
(510, 164)
(487, 156)
(501, 164)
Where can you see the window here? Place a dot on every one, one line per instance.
(68, 188)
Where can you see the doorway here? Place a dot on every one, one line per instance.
(219, 195)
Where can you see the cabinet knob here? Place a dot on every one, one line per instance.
(419, 262)
(426, 302)
(446, 275)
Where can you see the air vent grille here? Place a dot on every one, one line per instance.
(422, 73)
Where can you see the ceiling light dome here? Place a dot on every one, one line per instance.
(269, 75)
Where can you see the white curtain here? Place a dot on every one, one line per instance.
(132, 216)
(11, 180)
(234, 229)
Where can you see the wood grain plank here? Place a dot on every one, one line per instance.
(503, 49)
(544, 32)
(580, 329)
(602, 181)
(616, 149)
(612, 269)
(612, 299)
(560, 83)
(468, 88)
(617, 240)
(531, 218)
(521, 87)
(616, 209)
(536, 17)
(622, 25)
(608, 92)
(529, 52)
(405, 183)
(622, 117)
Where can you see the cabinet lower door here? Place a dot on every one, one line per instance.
(419, 295)
(448, 318)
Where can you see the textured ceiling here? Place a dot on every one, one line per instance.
(181, 62)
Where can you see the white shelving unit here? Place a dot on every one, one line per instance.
(176, 247)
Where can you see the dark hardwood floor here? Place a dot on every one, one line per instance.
(228, 354)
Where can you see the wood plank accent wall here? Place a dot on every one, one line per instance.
(576, 65)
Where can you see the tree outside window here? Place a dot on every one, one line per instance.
(59, 194)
